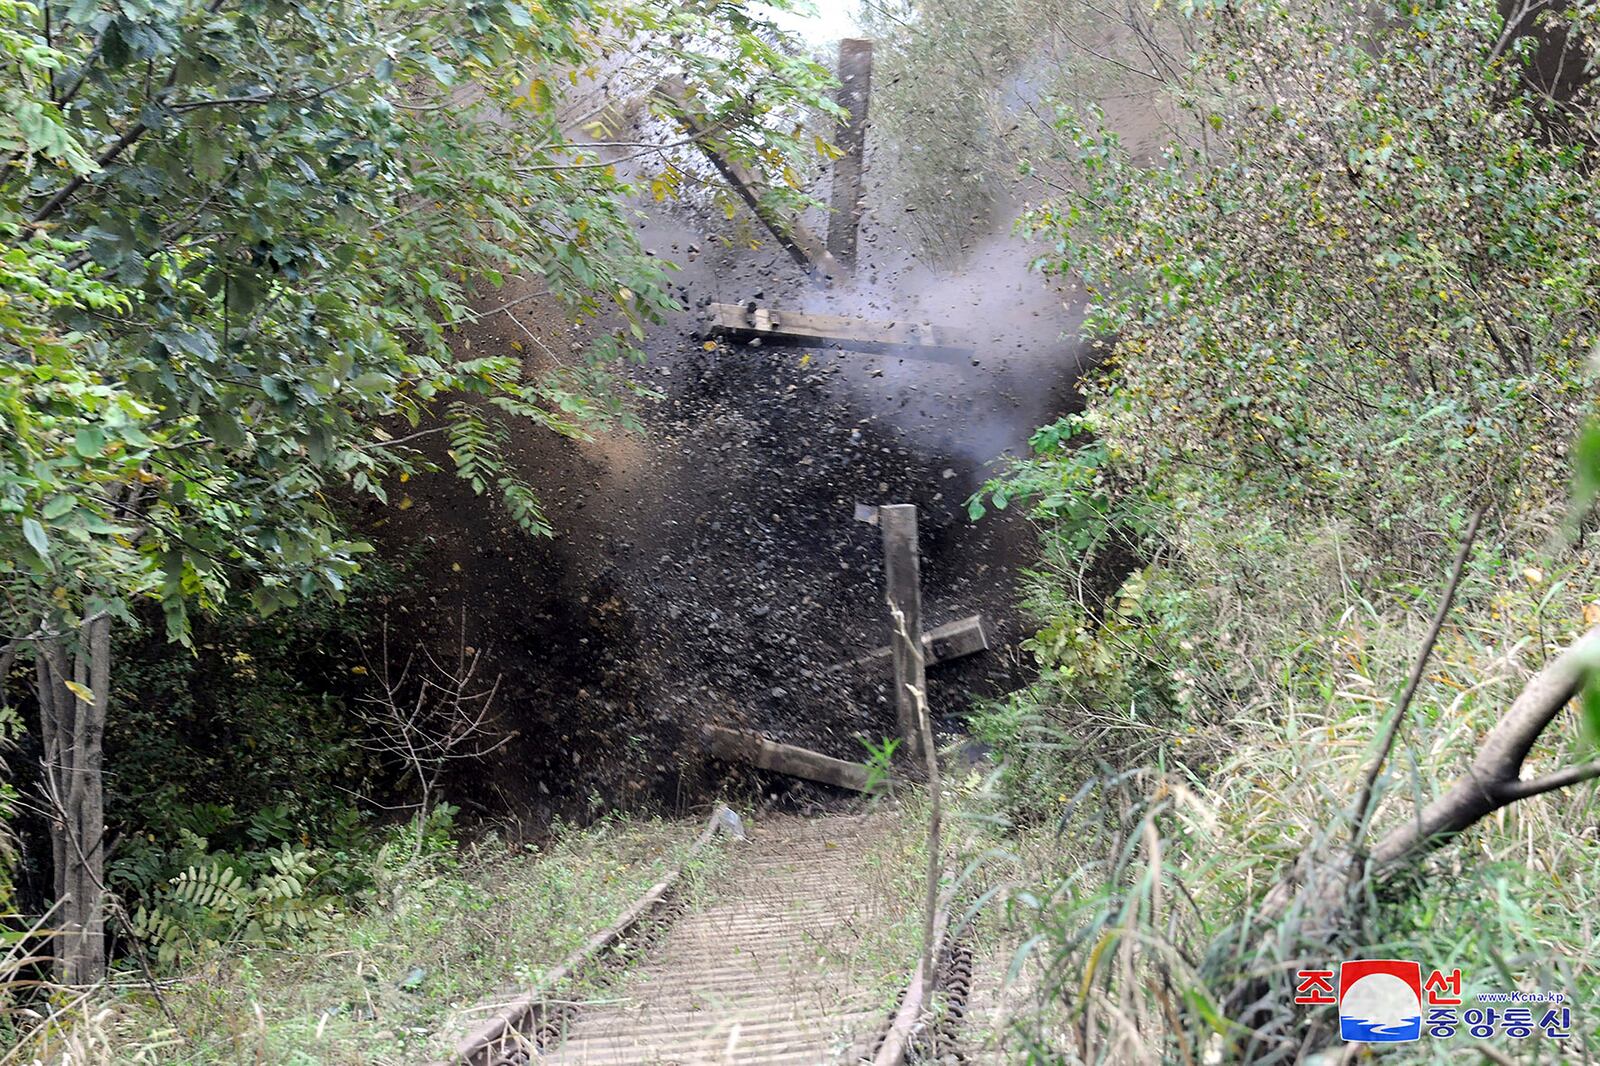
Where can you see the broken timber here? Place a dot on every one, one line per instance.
(855, 88)
(747, 321)
(732, 745)
(902, 576)
(953, 640)
(802, 246)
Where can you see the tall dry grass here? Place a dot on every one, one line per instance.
(1145, 915)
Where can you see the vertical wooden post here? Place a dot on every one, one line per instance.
(902, 568)
(855, 90)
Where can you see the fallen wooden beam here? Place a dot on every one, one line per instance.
(953, 640)
(732, 745)
(804, 248)
(855, 90)
(746, 321)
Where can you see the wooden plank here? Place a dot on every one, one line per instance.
(744, 321)
(964, 636)
(855, 91)
(902, 568)
(733, 745)
(953, 640)
(804, 248)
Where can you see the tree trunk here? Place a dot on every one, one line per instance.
(72, 718)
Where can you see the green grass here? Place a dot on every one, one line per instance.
(1147, 872)
(401, 981)
(896, 869)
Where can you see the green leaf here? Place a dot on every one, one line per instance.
(224, 428)
(57, 506)
(42, 132)
(444, 72)
(89, 442)
(199, 343)
(1589, 708)
(35, 535)
(1586, 468)
(372, 383)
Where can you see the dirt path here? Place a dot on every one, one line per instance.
(792, 958)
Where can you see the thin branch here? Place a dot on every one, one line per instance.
(701, 134)
(440, 722)
(8, 655)
(1511, 791)
(56, 202)
(1362, 812)
(476, 316)
(402, 440)
(300, 94)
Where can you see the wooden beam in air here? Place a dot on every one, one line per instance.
(746, 321)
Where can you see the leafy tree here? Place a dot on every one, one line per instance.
(1374, 298)
(239, 237)
(1352, 310)
(962, 95)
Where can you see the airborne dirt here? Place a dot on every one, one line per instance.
(711, 568)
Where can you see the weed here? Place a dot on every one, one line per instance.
(399, 981)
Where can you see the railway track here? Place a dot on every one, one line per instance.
(780, 965)
(797, 950)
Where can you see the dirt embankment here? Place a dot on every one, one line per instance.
(711, 568)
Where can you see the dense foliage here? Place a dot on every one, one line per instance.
(260, 223)
(248, 744)
(239, 242)
(1377, 300)
(1352, 302)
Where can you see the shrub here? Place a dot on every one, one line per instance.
(1353, 302)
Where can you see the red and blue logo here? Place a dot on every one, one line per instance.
(1385, 1001)
(1380, 1000)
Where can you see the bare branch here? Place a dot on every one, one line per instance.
(440, 717)
(1362, 812)
(1538, 786)
(1492, 781)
